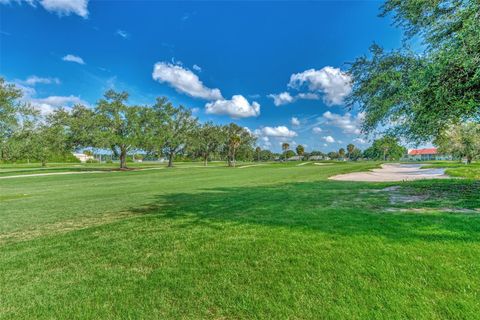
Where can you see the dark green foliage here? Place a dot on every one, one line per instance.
(289, 153)
(300, 150)
(420, 93)
(386, 148)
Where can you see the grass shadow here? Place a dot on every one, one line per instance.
(336, 208)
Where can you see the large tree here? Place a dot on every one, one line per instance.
(208, 140)
(118, 126)
(417, 94)
(84, 129)
(14, 116)
(173, 128)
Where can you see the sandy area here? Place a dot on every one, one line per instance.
(394, 172)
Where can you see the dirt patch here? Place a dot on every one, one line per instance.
(428, 210)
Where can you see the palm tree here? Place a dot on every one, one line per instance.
(350, 148)
(285, 147)
(234, 143)
(300, 150)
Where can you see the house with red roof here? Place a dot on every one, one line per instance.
(426, 154)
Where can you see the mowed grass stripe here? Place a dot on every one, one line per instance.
(276, 241)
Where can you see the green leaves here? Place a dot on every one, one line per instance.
(385, 148)
(417, 94)
(461, 140)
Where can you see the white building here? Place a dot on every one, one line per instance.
(82, 157)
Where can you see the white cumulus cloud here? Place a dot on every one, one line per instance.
(317, 130)
(360, 140)
(66, 7)
(49, 104)
(332, 82)
(73, 58)
(328, 139)
(237, 107)
(294, 121)
(348, 123)
(60, 7)
(308, 96)
(184, 81)
(277, 132)
(281, 98)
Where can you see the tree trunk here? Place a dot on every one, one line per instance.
(171, 155)
(469, 159)
(44, 163)
(205, 159)
(233, 158)
(123, 158)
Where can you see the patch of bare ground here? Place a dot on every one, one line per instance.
(429, 210)
(399, 196)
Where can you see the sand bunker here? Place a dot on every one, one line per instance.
(394, 172)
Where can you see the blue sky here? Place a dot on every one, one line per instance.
(277, 68)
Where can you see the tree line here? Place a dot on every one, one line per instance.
(161, 129)
(158, 130)
(385, 148)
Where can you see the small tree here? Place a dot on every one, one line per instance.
(118, 126)
(300, 150)
(207, 140)
(289, 154)
(285, 147)
(235, 138)
(233, 144)
(355, 154)
(341, 153)
(266, 155)
(462, 140)
(385, 148)
(169, 129)
(350, 148)
(333, 155)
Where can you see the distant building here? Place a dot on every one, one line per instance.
(82, 157)
(426, 154)
(295, 158)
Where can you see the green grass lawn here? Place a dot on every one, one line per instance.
(274, 241)
(458, 169)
